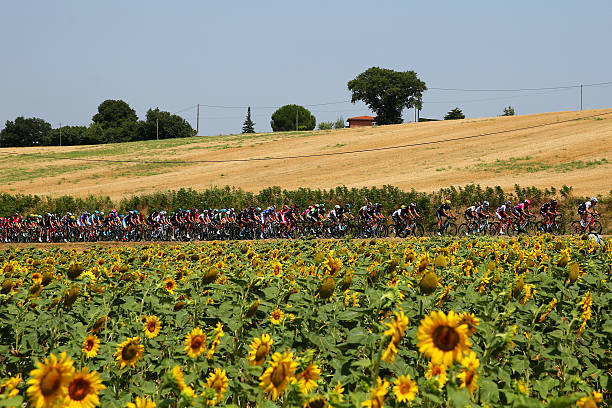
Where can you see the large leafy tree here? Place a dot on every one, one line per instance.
(114, 114)
(284, 119)
(24, 132)
(387, 92)
(170, 126)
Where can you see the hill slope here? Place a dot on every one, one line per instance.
(541, 153)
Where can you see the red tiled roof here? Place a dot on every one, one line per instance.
(362, 118)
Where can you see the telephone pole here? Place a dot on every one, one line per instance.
(198, 121)
(157, 128)
(580, 96)
(296, 118)
(60, 133)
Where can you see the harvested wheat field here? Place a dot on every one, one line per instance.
(543, 150)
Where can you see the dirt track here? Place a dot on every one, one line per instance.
(576, 153)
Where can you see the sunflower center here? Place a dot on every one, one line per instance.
(469, 378)
(151, 327)
(261, 353)
(50, 382)
(89, 345)
(279, 374)
(196, 342)
(79, 389)
(445, 338)
(404, 388)
(129, 352)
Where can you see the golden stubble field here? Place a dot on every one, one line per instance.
(576, 153)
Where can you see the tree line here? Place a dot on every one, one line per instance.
(114, 122)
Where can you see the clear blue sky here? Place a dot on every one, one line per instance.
(61, 59)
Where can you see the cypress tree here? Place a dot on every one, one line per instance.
(249, 125)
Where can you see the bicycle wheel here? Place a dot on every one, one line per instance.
(576, 228)
(451, 229)
(595, 228)
(540, 227)
(418, 230)
(463, 230)
(558, 228)
(494, 228)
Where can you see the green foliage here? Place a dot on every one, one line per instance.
(113, 114)
(387, 92)
(170, 126)
(454, 114)
(326, 125)
(339, 123)
(509, 111)
(24, 132)
(248, 125)
(284, 119)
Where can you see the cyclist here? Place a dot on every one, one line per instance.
(548, 211)
(470, 215)
(521, 210)
(482, 212)
(586, 208)
(399, 216)
(443, 210)
(502, 215)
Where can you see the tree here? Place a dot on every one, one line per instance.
(284, 119)
(71, 135)
(24, 132)
(454, 114)
(509, 111)
(387, 92)
(326, 125)
(339, 123)
(114, 113)
(170, 126)
(248, 126)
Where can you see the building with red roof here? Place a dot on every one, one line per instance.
(360, 121)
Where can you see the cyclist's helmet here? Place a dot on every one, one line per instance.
(336, 207)
(594, 200)
(413, 205)
(486, 204)
(378, 205)
(508, 203)
(258, 209)
(447, 202)
(553, 202)
(347, 205)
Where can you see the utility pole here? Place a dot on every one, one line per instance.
(198, 121)
(580, 96)
(60, 133)
(157, 128)
(296, 118)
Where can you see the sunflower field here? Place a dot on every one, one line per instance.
(524, 322)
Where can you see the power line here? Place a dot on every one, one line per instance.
(517, 89)
(374, 149)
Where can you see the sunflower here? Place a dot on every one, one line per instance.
(396, 331)
(50, 380)
(405, 388)
(279, 375)
(83, 390)
(378, 394)
(277, 316)
(152, 326)
(195, 343)
(439, 371)
(10, 386)
(218, 381)
(99, 324)
(317, 401)
(260, 348)
(141, 402)
(307, 379)
(129, 352)
(177, 376)
(332, 265)
(442, 338)
(590, 401)
(338, 393)
(91, 346)
(468, 375)
(170, 285)
(470, 321)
